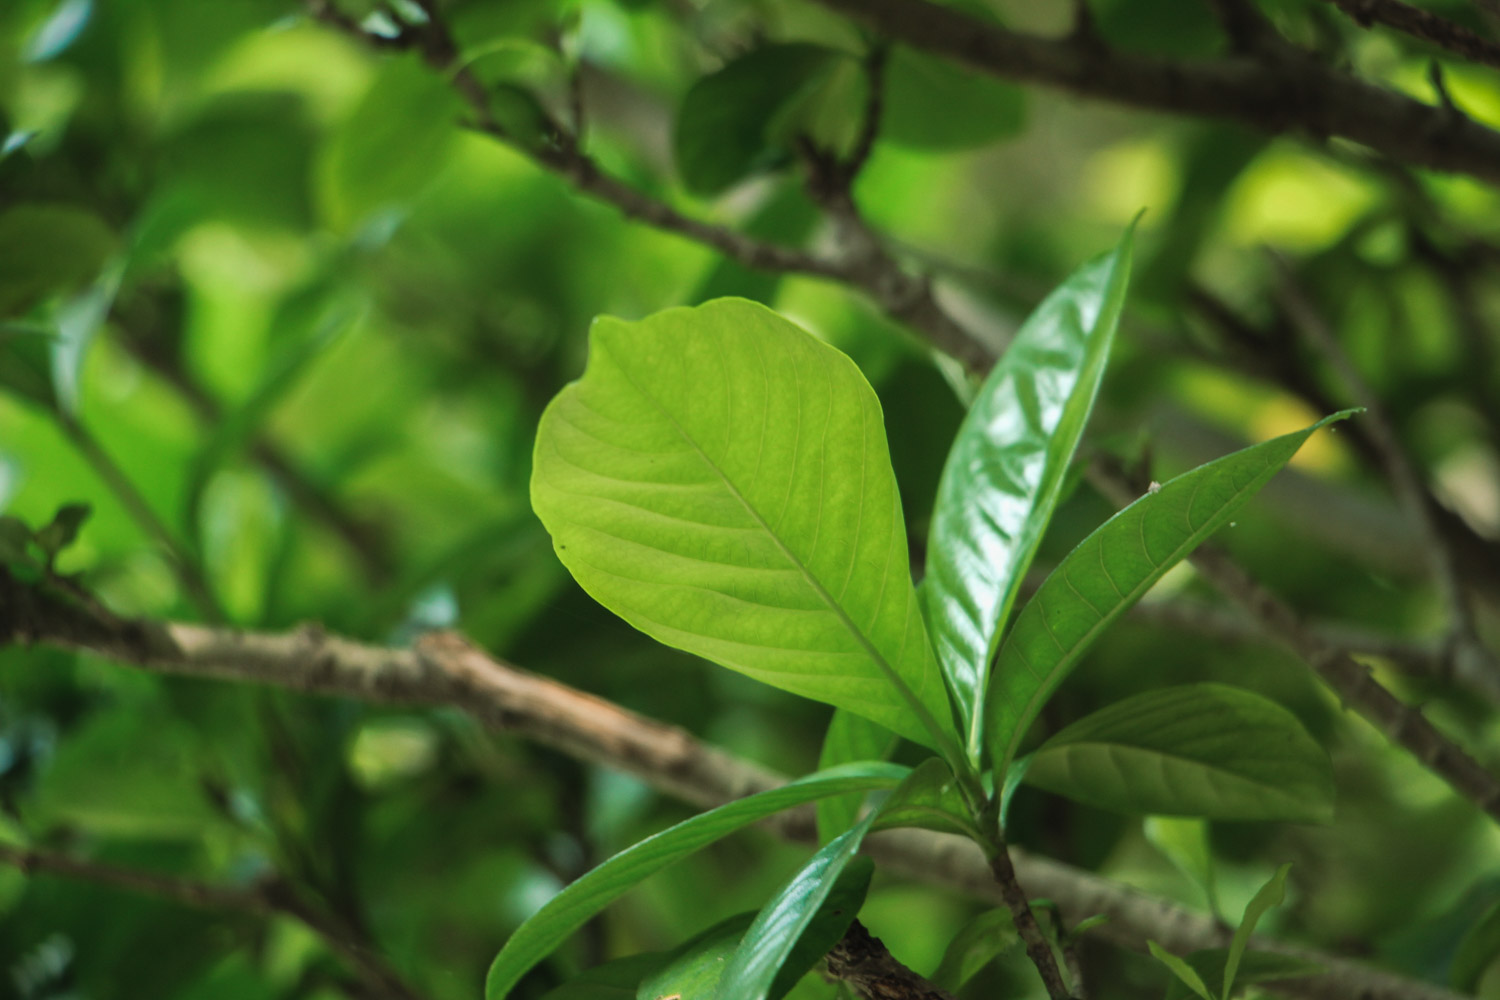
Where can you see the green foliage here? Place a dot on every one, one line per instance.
(1197, 750)
(719, 478)
(984, 939)
(1005, 472)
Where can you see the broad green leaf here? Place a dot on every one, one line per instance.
(1271, 894)
(932, 104)
(752, 971)
(1006, 469)
(697, 968)
(1184, 842)
(849, 738)
(1195, 750)
(1184, 972)
(719, 478)
(1478, 949)
(27, 365)
(977, 944)
(1255, 967)
(1110, 570)
(928, 798)
(724, 131)
(572, 908)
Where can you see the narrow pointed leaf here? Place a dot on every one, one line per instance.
(1005, 473)
(572, 908)
(1113, 568)
(929, 798)
(1184, 972)
(1195, 750)
(719, 478)
(1255, 967)
(752, 971)
(1184, 842)
(697, 968)
(849, 738)
(1271, 894)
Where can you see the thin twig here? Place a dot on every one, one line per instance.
(1038, 948)
(1424, 25)
(263, 899)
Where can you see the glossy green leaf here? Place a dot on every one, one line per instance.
(932, 104)
(697, 968)
(1184, 842)
(1006, 470)
(929, 798)
(1255, 967)
(977, 944)
(1113, 568)
(724, 130)
(752, 971)
(1183, 971)
(1271, 894)
(719, 478)
(1195, 750)
(572, 908)
(849, 738)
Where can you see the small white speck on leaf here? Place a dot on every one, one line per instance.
(1155, 487)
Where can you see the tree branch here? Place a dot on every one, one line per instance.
(862, 961)
(1423, 25)
(1288, 93)
(444, 669)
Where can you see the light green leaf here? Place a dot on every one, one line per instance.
(849, 738)
(1195, 750)
(928, 798)
(1184, 842)
(752, 971)
(1110, 570)
(1271, 894)
(1256, 967)
(725, 129)
(1005, 472)
(719, 478)
(572, 908)
(977, 944)
(1180, 969)
(697, 968)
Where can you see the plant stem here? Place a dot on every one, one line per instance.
(186, 566)
(1038, 949)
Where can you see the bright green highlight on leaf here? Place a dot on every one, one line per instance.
(1113, 568)
(720, 479)
(1195, 750)
(1005, 473)
(769, 941)
(572, 908)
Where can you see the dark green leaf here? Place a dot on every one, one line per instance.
(63, 528)
(615, 980)
(725, 128)
(1110, 570)
(1476, 952)
(696, 968)
(46, 249)
(928, 798)
(26, 366)
(977, 944)
(719, 478)
(1195, 750)
(752, 971)
(571, 908)
(1005, 470)
(932, 104)
(15, 539)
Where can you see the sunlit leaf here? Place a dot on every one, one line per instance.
(572, 908)
(1005, 472)
(1195, 750)
(719, 478)
(1113, 568)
